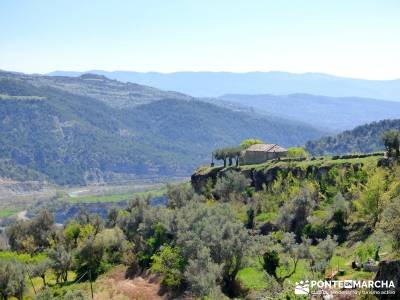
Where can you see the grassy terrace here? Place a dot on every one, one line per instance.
(7, 212)
(116, 197)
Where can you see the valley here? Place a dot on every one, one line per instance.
(107, 185)
(23, 200)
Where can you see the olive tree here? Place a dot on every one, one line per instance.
(89, 258)
(147, 228)
(391, 140)
(215, 228)
(293, 214)
(280, 251)
(221, 154)
(233, 154)
(71, 232)
(32, 236)
(60, 262)
(41, 228)
(372, 201)
(114, 243)
(202, 273)
(12, 279)
(39, 270)
(169, 263)
(231, 183)
(179, 194)
(390, 222)
(322, 254)
(228, 155)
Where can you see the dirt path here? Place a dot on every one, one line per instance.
(22, 215)
(116, 286)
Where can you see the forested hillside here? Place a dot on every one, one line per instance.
(365, 138)
(74, 139)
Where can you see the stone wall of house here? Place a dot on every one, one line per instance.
(258, 157)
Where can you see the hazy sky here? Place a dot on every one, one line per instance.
(354, 38)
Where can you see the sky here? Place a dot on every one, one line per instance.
(351, 38)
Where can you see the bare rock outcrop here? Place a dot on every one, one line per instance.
(389, 271)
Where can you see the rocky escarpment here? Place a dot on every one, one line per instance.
(389, 271)
(11, 188)
(265, 174)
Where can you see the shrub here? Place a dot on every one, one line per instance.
(247, 143)
(202, 273)
(271, 262)
(60, 262)
(230, 183)
(12, 279)
(391, 222)
(215, 228)
(297, 152)
(179, 194)
(169, 263)
(89, 261)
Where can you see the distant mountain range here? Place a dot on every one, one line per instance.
(93, 129)
(332, 114)
(364, 139)
(215, 84)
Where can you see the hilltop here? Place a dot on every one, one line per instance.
(267, 173)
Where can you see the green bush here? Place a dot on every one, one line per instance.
(169, 263)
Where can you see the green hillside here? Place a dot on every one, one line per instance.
(74, 139)
(364, 139)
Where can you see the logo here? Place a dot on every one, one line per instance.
(348, 284)
(328, 288)
(302, 288)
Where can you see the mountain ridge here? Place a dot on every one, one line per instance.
(331, 113)
(215, 84)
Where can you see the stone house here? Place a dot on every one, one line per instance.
(259, 153)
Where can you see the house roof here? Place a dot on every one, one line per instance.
(266, 148)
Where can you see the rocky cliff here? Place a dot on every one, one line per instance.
(266, 173)
(389, 271)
